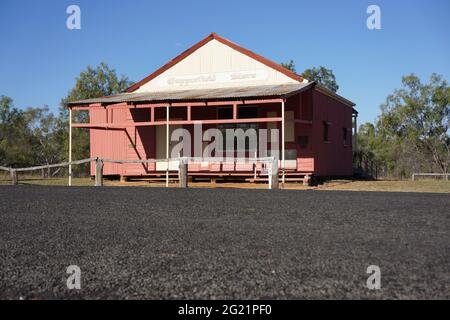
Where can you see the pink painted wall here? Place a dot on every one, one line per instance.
(132, 143)
(332, 158)
(107, 143)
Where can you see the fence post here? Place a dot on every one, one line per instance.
(14, 179)
(183, 173)
(255, 165)
(413, 177)
(98, 172)
(307, 180)
(275, 184)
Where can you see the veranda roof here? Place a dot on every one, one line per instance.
(230, 93)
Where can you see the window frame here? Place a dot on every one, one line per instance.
(326, 132)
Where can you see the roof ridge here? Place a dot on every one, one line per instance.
(201, 43)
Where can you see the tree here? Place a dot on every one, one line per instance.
(15, 135)
(43, 143)
(289, 65)
(97, 82)
(415, 120)
(367, 138)
(412, 132)
(27, 137)
(36, 136)
(323, 76)
(91, 83)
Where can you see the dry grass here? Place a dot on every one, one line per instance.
(30, 180)
(439, 186)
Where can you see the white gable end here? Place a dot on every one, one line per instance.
(215, 65)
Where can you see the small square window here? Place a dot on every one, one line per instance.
(326, 126)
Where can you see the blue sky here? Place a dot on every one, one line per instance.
(40, 57)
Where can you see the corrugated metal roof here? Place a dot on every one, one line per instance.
(272, 91)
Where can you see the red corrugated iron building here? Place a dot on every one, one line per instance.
(222, 85)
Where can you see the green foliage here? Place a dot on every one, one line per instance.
(44, 142)
(15, 136)
(289, 65)
(37, 136)
(323, 76)
(367, 139)
(91, 83)
(97, 82)
(412, 132)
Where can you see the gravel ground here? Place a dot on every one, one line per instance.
(134, 243)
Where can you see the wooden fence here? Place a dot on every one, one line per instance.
(272, 172)
(443, 175)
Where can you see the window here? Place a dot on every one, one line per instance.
(303, 141)
(326, 126)
(345, 136)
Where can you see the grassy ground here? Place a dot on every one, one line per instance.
(48, 182)
(388, 185)
(348, 185)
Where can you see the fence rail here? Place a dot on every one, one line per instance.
(444, 175)
(272, 172)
